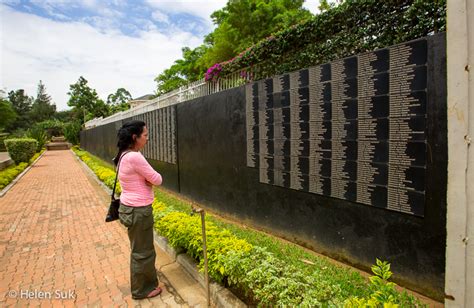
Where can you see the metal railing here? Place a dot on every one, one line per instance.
(190, 91)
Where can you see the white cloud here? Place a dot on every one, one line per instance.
(160, 17)
(199, 8)
(34, 48)
(312, 6)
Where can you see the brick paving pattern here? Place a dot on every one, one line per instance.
(53, 239)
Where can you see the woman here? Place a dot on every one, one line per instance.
(137, 178)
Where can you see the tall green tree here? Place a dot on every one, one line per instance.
(85, 99)
(184, 70)
(42, 108)
(119, 101)
(65, 116)
(7, 113)
(22, 104)
(239, 25)
(242, 23)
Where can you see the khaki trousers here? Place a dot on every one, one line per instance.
(139, 222)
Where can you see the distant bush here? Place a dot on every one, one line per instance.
(21, 149)
(39, 134)
(71, 132)
(52, 127)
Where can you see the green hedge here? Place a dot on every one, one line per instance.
(10, 173)
(353, 27)
(21, 149)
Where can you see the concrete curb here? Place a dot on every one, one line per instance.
(9, 186)
(4, 164)
(220, 296)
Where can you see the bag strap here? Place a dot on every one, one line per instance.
(116, 176)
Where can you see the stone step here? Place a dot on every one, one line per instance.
(58, 139)
(54, 146)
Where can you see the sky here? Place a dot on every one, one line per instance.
(111, 43)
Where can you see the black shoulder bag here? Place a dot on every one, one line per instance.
(113, 213)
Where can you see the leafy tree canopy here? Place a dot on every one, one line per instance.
(119, 101)
(84, 98)
(240, 24)
(7, 113)
(22, 104)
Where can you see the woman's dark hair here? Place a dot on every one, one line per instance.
(125, 136)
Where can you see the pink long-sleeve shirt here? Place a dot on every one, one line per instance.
(134, 172)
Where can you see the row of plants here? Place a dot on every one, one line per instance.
(352, 27)
(105, 172)
(265, 271)
(8, 174)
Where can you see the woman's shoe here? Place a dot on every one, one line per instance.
(155, 292)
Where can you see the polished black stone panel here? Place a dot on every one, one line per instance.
(369, 108)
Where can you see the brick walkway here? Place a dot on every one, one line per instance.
(53, 239)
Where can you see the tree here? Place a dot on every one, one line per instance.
(190, 68)
(119, 101)
(85, 99)
(22, 105)
(240, 24)
(65, 116)
(7, 113)
(42, 108)
(325, 5)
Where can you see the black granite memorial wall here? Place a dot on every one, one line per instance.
(160, 151)
(348, 158)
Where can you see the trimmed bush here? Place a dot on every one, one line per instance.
(21, 149)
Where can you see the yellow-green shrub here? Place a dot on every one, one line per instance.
(183, 230)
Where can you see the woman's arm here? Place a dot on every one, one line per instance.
(143, 168)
